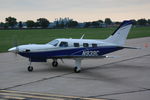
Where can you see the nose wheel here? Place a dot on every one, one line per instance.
(30, 68)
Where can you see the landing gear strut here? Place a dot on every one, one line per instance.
(30, 68)
(54, 63)
(77, 67)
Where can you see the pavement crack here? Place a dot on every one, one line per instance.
(43, 79)
(119, 93)
(101, 66)
(83, 78)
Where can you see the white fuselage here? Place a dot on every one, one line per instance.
(71, 44)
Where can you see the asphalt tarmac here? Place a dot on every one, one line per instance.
(126, 77)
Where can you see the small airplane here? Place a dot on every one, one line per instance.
(77, 49)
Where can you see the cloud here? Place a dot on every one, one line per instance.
(62, 5)
(87, 9)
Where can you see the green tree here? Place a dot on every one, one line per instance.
(2, 25)
(30, 23)
(62, 24)
(5, 25)
(148, 21)
(142, 21)
(117, 23)
(36, 24)
(95, 24)
(134, 21)
(87, 24)
(108, 21)
(11, 21)
(72, 23)
(20, 24)
(43, 22)
(100, 21)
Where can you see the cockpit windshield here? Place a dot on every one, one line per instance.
(54, 42)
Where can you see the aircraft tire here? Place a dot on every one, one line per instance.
(76, 70)
(30, 68)
(54, 63)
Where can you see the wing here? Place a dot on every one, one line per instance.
(84, 57)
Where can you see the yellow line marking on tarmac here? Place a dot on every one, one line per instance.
(29, 96)
(11, 97)
(52, 95)
(43, 94)
(93, 99)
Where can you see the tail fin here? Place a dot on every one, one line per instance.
(120, 34)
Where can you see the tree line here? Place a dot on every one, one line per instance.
(11, 22)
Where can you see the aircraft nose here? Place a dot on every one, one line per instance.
(14, 49)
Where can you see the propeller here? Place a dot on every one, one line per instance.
(15, 48)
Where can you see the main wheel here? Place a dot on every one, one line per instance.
(30, 68)
(76, 70)
(54, 63)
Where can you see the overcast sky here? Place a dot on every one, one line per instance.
(80, 10)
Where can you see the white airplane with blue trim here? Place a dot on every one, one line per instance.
(77, 49)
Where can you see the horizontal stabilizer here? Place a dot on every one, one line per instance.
(132, 47)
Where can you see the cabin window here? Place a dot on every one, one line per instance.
(85, 45)
(54, 42)
(76, 44)
(94, 45)
(63, 44)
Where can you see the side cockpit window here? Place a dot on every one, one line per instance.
(63, 44)
(54, 42)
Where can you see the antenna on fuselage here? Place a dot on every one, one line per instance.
(82, 36)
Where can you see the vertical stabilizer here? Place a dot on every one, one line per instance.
(120, 34)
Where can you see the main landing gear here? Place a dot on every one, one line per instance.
(54, 63)
(77, 67)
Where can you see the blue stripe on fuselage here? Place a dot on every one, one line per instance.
(69, 52)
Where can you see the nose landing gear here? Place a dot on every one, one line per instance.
(30, 68)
